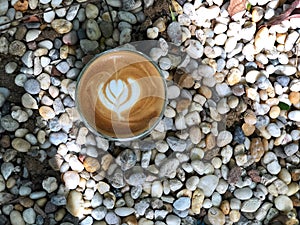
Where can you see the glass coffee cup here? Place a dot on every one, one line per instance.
(121, 94)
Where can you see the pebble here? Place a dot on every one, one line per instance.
(124, 211)
(61, 26)
(91, 164)
(216, 216)
(50, 184)
(46, 112)
(176, 144)
(29, 215)
(31, 35)
(224, 138)
(182, 203)
(29, 102)
(75, 203)
(6, 169)
(208, 184)
(175, 33)
(251, 205)
(16, 218)
(32, 86)
(99, 213)
(93, 31)
(111, 218)
(58, 138)
(274, 130)
(243, 193)
(283, 203)
(21, 145)
(294, 115)
(8, 123)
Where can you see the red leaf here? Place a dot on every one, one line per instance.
(236, 6)
(292, 12)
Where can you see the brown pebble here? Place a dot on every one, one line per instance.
(197, 201)
(5, 141)
(295, 174)
(91, 164)
(21, 5)
(250, 117)
(248, 129)
(295, 200)
(19, 207)
(256, 149)
(210, 141)
(205, 91)
(130, 220)
(41, 202)
(26, 202)
(10, 182)
(225, 207)
(274, 112)
(294, 97)
(234, 175)
(254, 175)
(184, 80)
(182, 104)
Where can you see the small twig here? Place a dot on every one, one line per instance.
(109, 12)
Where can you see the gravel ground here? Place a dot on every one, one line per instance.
(225, 152)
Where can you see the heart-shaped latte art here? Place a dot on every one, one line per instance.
(119, 95)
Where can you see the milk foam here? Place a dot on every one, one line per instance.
(119, 95)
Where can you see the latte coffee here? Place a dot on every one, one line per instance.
(121, 94)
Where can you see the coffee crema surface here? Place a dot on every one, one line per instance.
(121, 94)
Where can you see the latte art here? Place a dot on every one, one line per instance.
(121, 95)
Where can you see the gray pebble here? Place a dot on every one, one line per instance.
(8, 123)
(29, 215)
(175, 33)
(38, 195)
(17, 48)
(106, 29)
(274, 130)
(58, 138)
(291, 149)
(182, 203)
(59, 200)
(92, 30)
(24, 190)
(19, 115)
(68, 102)
(2, 99)
(63, 67)
(176, 144)
(88, 45)
(127, 17)
(73, 73)
(6, 169)
(58, 106)
(111, 218)
(87, 221)
(125, 36)
(11, 67)
(99, 213)
(32, 86)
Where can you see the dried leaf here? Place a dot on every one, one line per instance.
(236, 6)
(292, 12)
(31, 19)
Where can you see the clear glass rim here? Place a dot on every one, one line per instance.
(94, 130)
